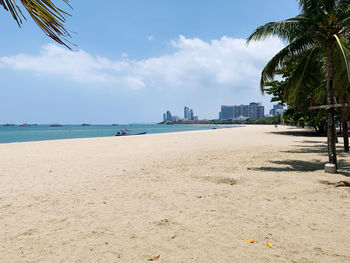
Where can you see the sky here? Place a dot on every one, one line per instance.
(136, 59)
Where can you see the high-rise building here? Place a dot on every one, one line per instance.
(252, 111)
(169, 117)
(277, 110)
(237, 111)
(261, 112)
(164, 116)
(187, 113)
(245, 110)
(241, 111)
(226, 112)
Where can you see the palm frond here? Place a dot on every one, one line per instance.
(303, 82)
(287, 29)
(292, 50)
(45, 14)
(346, 62)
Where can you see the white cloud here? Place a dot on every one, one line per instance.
(150, 38)
(194, 64)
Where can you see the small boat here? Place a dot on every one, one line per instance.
(55, 125)
(9, 125)
(86, 124)
(126, 132)
(25, 125)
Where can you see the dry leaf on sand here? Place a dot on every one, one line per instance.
(154, 258)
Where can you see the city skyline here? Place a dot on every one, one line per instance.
(253, 110)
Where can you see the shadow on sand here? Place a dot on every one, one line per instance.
(317, 147)
(291, 132)
(293, 165)
(308, 146)
(303, 166)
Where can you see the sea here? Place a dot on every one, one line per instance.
(10, 134)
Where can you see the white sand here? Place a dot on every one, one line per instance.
(188, 197)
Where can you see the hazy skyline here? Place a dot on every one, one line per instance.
(136, 60)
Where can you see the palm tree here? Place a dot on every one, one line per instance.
(321, 26)
(45, 14)
(300, 89)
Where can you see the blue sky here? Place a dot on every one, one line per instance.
(136, 59)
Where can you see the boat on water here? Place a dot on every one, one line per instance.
(126, 132)
(8, 125)
(25, 125)
(55, 125)
(86, 124)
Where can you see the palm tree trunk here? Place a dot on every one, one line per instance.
(344, 119)
(332, 154)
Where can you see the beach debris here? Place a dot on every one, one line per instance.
(118, 256)
(342, 184)
(336, 184)
(269, 244)
(173, 237)
(250, 240)
(162, 222)
(154, 258)
(199, 196)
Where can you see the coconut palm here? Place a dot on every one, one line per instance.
(321, 26)
(45, 14)
(303, 87)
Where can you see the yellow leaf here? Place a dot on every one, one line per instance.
(269, 244)
(249, 240)
(154, 258)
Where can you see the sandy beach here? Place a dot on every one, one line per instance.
(186, 197)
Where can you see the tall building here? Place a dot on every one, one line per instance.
(277, 110)
(186, 112)
(164, 116)
(226, 112)
(169, 117)
(261, 112)
(252, 111)
(241, 111)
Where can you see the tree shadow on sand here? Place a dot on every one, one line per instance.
(293, 165)
(291, 132)
(309, 146)
(303, 166)
(319, 147)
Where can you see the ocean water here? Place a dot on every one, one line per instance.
(17, 133)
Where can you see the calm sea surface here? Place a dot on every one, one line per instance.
(45, 132)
